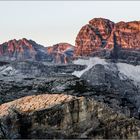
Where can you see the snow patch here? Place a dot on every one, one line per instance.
(131, 71)
(90, 62)
(7, 70)
(126, 71)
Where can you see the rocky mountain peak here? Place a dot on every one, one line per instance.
(61, 52)
(102, 26)
(14, 45)
(102, 34)
(22, 49)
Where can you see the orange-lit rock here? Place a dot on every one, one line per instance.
(103, 27)
(16, 45)
(33, 103)
(61, 52)
(102, 34)
(22, 49)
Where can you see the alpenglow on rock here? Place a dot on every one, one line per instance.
(102, 34)
(22, 49)
(61, 52)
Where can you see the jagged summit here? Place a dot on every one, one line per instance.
(61, 52)
(102, 33)
(92, 98)
(100, 37)
(22, 49)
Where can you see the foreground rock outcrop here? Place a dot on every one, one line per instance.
(64, 116)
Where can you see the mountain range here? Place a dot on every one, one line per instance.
(23, 49)
(101, 37)
(90, 90)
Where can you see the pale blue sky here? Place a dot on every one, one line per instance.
(49, 22)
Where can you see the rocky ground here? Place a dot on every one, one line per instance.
(62, 105)
(14, 88)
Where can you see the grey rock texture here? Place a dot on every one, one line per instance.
(16, 87)
(37, 69)
(112, 89)
(120, 55)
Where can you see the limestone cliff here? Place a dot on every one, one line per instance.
(102, 34)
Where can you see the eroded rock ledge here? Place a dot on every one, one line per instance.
(64, 116)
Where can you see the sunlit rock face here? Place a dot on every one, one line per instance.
(128, 34)
(103, 34)
(61, 52)
(64, 116)
(22, 49)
